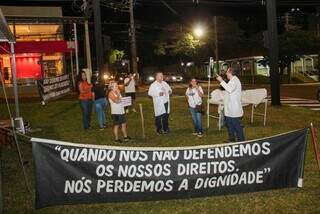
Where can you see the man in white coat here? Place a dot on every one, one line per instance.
(232, 105)
(160, 92)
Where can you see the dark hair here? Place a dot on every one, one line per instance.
(232, 70)
(190, 85)
(79, 80)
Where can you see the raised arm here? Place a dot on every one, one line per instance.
(114, 97)
(230, 86)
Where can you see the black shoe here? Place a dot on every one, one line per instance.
(117, 141)
(127, 139)
(159, 132)
(166, 131)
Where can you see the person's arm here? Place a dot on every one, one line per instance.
(114, 97)
(187, 97)
(230, 86)
(169, 89)
(127, 81)
(81, 89)
(153, 92)
(93, 93)
(200, 91)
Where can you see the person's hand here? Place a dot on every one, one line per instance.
(219, 78)
(161, 94)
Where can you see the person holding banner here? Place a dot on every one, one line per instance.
(160, 92)
(100, 102)
(232, 105)
(85, 98)
(117, 113)
(130, 89)
(194, 94)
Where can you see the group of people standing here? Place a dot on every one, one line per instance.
(98, 95)
(160, 92)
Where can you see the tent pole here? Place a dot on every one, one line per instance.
(14, 77)
(72, 71)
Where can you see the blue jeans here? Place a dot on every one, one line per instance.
(100, 106)
(86, 107)
(235, 130)
(197, 120)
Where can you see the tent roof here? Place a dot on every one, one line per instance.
(5, 32)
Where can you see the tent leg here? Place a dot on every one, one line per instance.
(265, 112)
(252, 112)
(14, 77)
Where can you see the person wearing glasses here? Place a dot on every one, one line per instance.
(232, 105)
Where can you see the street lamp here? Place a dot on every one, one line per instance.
(198, 31)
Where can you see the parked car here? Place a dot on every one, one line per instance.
(149, 79)
(318, 94)
(107, 78)
(173, 78)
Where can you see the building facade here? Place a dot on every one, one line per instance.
(40, 47)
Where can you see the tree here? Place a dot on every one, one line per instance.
(232, 42)
(116, 55)
(294, 44)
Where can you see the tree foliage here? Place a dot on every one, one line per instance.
(179, 41)
(294, 44)
(116, 55)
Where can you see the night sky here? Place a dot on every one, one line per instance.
(151, 16)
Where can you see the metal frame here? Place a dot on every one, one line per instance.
(253, 106)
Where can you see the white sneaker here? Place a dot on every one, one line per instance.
(127, 111)
(134, 110)
(200, 135)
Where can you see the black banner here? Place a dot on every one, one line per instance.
(69, 173)
(54, 87)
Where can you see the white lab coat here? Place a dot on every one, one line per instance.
(232, 98)
(159, 101)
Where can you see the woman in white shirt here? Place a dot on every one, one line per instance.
(117, 113)
(232, 105)
(194, 94)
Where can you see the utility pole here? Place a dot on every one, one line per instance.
(133, 39)
(76, 47)
(286, 25)
(98, 35)
(216, 52)
(88, 51)
(272, 36)
(318, 34)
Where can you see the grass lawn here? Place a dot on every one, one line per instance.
(61, 120)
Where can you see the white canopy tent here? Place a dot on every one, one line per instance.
(7, 36)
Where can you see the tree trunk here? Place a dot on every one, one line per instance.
(289, 73)
(281, 73)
